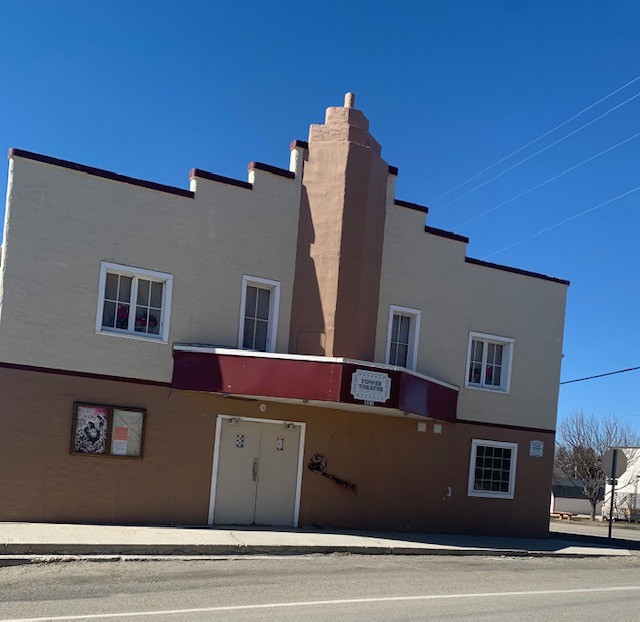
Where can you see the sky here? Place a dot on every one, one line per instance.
(152, 89)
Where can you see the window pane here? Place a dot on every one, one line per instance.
(143, 291)
(499, 350)
(156, 294)
(264, 295)
(250, 302)
(111, 286)
(109, 314)
(404, 329)
(393, 353)
(141, 320)
(124, 295)
(154, 321)
(497, 376)
(394, 327)
(249, 328)
(493, 469)
(475, 372)
(491, 349)
(402, 355)
(261, 336)
(476, 351)
(122, 318)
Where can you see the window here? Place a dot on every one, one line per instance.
(492, 470)
(134, 302)
(107, 430)
(258, 314)
(489, 362)
(402, 337)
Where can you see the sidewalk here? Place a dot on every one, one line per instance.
(48, 539)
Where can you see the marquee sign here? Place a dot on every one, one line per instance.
(370, 386)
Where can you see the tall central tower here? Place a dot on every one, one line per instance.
(341, 233)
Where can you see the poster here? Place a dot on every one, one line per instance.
(92, 425)
(126, 438)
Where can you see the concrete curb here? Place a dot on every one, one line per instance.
(13, 554)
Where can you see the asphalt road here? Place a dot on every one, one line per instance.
(337, 587)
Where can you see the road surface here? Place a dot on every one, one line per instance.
(332, 587)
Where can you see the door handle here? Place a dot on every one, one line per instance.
(255, 469)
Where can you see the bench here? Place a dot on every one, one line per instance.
(561, 515)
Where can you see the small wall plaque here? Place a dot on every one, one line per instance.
(536, 449)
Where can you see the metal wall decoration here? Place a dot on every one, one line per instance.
(318, 464)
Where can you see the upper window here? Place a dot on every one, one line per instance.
(402, 337)
(489, 362)
(492, 469)
(134, 302)
(258, 314)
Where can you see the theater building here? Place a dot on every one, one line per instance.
(298, 349)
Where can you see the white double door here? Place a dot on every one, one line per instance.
(255, 480)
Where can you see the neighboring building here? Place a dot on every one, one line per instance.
(297, 349)
(567, 495)
(626, 496)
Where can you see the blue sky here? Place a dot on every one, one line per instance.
(152, 89)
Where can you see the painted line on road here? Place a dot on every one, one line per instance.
(315, 603)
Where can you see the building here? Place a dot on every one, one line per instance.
(296, 349)
(567, 495)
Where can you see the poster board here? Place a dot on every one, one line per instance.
(101, 430)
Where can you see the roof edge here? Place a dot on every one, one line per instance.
(197, 172)
(497, 266)
(98, 172)
(409, 205)
(443, 233)
(269, 168)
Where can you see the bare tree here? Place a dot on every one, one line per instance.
(581, 442)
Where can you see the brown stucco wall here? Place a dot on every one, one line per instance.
(404, 477)
(340, 240)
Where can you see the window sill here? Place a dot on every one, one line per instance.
(134, 337)
(490, 495)
(487, 389)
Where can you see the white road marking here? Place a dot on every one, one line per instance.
(313, 603)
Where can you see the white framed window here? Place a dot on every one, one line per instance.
(489, 359)
(402, 336)
(134, 302)
(258, 326)
(492, 469)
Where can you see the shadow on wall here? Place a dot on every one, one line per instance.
(308, 333)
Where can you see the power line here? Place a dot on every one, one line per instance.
(562, 222)
(610, 373)
(568, 170)
(533, 155)
(535, 140)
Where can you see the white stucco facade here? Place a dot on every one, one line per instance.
(428, 272)
(62, 223)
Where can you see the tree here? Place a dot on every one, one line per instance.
(581, 441)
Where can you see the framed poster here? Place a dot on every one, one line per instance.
(126, 438)
(91, 426)
(101, 430)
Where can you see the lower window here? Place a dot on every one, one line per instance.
(107, 430)
(492, 469)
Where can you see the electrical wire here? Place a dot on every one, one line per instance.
(568, 170)
(533, 155)
(535, 140)
(562, 222)
(610, 373)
